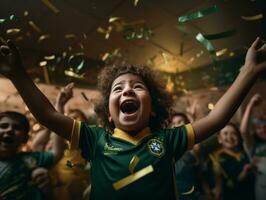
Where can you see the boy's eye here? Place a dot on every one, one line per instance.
(4, 125)
(117, 88)
(139, 86)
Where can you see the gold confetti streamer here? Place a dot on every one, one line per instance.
(221, 52)
(105, 56)
(51, 57)
(84, 96)
(136, 2)
(51, 6)
(113, 19)
(70, 36)
(12, 31)
(252, 18)
(43, 37)
(34, 26)
(133, 177)
(46, 74)
(73, 74)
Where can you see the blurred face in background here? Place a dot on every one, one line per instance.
(229, 137)
(260, 130)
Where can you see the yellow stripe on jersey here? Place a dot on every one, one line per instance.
(133, 177)
(190, 136)
(74, 142)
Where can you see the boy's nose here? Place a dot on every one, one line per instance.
(128, 91)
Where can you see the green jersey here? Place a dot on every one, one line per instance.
(15, 175)
(125, 167)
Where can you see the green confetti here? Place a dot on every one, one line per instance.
(198, 14)
(206, 43)
(220, 35)
(199, 36)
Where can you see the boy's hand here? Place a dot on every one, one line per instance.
(256, 58)
(40, 176)
(255, 100)
(65, 95)
(10, 60)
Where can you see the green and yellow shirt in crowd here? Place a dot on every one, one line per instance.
(126, 167)
(15, 175)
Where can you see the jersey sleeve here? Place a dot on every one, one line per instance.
(84, 138)
(180, 139)
(43, 159)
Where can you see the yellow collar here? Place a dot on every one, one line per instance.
(118, 133)
(236, 155)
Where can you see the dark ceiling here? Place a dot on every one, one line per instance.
(145, 32)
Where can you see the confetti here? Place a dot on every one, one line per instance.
(43, 63)
(206, 43)
(136, 2)
(34, 26)
(26, 13)
(73, 74)
(43, 37)
(252, 18)
(51, 6)
(84, 96)
(113, 19)
(220, 35)
(137, 33)
(107, 31)
(70, 36)
(11, 17)
(105, 56)
(12, 31)
(51, 57)
(198, 14)
(221, 52)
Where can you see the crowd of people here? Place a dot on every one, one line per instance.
(141, 147)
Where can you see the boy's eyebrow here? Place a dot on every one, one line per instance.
(119, 83)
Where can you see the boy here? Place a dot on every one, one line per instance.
(134, 157)
(15, 166)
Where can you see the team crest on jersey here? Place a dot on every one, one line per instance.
(30, 162)
(156, 147)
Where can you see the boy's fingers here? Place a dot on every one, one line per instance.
(255, 43)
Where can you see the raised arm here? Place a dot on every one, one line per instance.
(11, 67)
(244, 125)
(255, 63)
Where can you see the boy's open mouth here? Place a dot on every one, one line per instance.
(129, 106)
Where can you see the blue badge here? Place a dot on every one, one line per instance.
(156, 147)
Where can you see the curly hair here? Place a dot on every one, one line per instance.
(161, 100)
